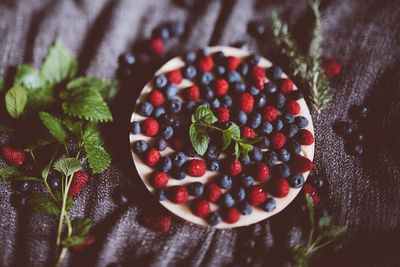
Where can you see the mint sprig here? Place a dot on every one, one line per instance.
(202, 120)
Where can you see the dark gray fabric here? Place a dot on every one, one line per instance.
(362, 194)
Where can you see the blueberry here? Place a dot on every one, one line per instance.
(278, 125)
(145, 109)
(167, 132)
(256, 29)
(178, 174)
(281, 170)
(176, 28)
(254, 90)
(165, 164)
(245, 161)
(167, 119)
(179, 159)
(270, 88)
(317, 182)
(343, 128)
(176, 124)
(290, 130)
(206, 78)
(174, 106)
(215, 103)
(171, 90)
(249, 244)
(359, 112)
(253, 59)
(296, 180)
(161, 144)
(212, 153)
(160, 81)
(269, 205)
(135, 127)
(355, 149)
(190, 106)
(191, 152)
(196, 189)
(158, 112)
(225, 181)
(246, 180)
(220, 71)
(161, 32)
(293, 146)
(127, 59)
(264, 143)
(233, 76)
(190, 57)
(256, 154)
(260, 100)
(54, 182)
(279, 100)
(238, 194)
(218, 57)
(243, 68)
(161, 195)
(270, 158)
(283, 155)
(288, 118)
(266, 128)
(121, 197)
(140, 146)
(214, 218)
(274, 73)
(244, 208)
(226, 101)
(301, 121)
(213, 166)
(208, 93)
(202, 52)
(21, 186)
(19, 201)
(241, 118)
(189, 72)
(239, 87)
(357, 137)
(255, 120)
(295, 95)
(227, 200)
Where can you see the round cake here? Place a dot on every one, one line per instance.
(239, 90)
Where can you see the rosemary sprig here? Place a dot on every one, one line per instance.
(308, 69)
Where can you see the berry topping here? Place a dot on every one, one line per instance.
(233, 62)
(231, 215)
(223, 114)
(196, 189)
(293, 107)
(206, 64)
(248, 132)
(200, 207)
(197, 168)
(235, 167)
(214, 218)
(279, 187)
(159, 180)
(178, 194)
(286, 85)
(246, 102)
(175, 77)
(193, 93)
(269, 114)
(301, 164)
(213, 192)
(259, 77)
(150, 127)
(156, 98)
(278, 140)
(221, 87)
(310, 190)
(152, 157)
(261, 172)
(256, 196)
(305, 137)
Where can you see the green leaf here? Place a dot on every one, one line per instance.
(250, 141)
(81, 227)
(324, 222)
(41, 204)
(28, 77)
(107, 88)
(204, 116)
(92, 134)
(88, 104)
(310, 206)
(67, 166)
(246, 148)
(68, 203)
(55, 126)
(7, 173)
(59, 64)
(73, 241)
(226, 138)
(74, 125)
(1, 84)
(336, 232)
(27, 178)
(16, 99)
(237, 151)
(98, 158)
(199, 138)
(235, 131)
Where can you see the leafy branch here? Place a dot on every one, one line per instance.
(308, 69)
(202, 120)
(326, 235)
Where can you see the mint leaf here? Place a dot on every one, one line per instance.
(204, 116)
(16, 99)
(55, 127)
(235, 131)
(67, 166)
(98, 158)
(73, 241)
(59, 64)
(237, 151)
(41, 204)
(310, 206)
(8, 172)
(246, 148)
(88, 104)
(81, 227)
(250, 141)
(28, 77)
(226, 138)
(324, 222)
(107, 88)
(199, 138)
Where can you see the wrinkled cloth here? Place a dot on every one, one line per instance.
(361, 193)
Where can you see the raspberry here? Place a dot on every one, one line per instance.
(213, 192)
(159, 222)
(159, 180)
(178, 144)
(310, 190)
(257, 196)
(331, 67)
(286, 86)
(261, 172)
(259, 77)
(221, 87)
(157, 46)
(232, 62)
(269, 113)
(197, 168)
(90, 240)
(231, 215)
(305, 137)
(235, 167)
(156, 98)
(293, 107)
(223, 114)
(175, 76)
(248, 132)
(201, 207)
(150, 127)
(278, 140)
(246, 102)
(13, 156)
(78, 182)
(193, 93)
(279, 187)
(206, 64)
(300, 163)
(178, 194)
(152, 157)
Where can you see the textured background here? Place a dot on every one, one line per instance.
(361, 194)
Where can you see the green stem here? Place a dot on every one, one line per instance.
(61, 257)
(212, 127)
(34, 160)
(68, 224)
(50, 192)
(65, 194)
